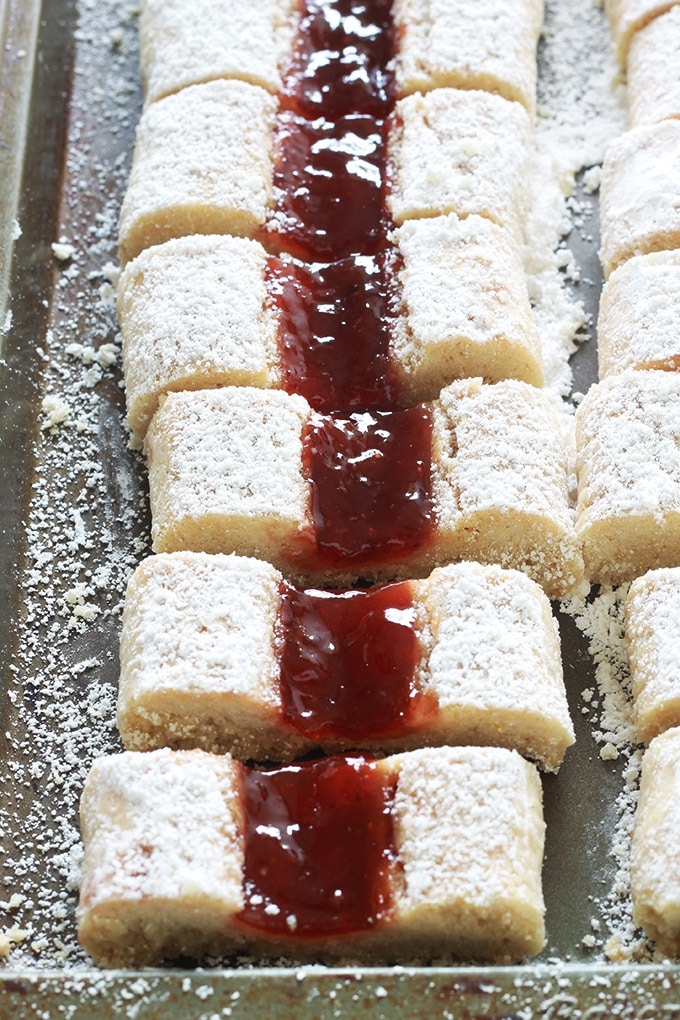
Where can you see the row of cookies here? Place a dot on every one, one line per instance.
(205, 165)
(628, 427)
(476, 471)
(187, 851)
(630, 431)
(188, 306)
(449, 139)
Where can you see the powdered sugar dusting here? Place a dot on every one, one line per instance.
(581, 107)
(608, 705)
(84, 526)
(87, 524)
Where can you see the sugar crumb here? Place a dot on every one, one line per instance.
(63, 250)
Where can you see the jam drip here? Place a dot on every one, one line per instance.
(343, 59)
(329, 177)
(328, 186)
(370, 475)
(319, 847)
(349, 662)
(334, 323)
(369, 469)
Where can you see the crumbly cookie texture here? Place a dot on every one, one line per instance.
(186, 44)
(495, 661)
(654, 70)
(225, 472)
(628, 462)
(194, 314)
(639, 212)
(655, 875)
(483, 44)
(638, 324)
(200, 662)
(199, 656)
(202, 165)
(464, 307)
(226, 475)
(653, 637)
(462, 151)
(164, 857)
(501, 482)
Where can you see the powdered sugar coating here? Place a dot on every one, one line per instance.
(654, 70)
(465, 306)
(628, 16)
(226, 475)
(70, 720)
(482, 44)
(202, 165)
(653, 637)
(200, 662)
(628, 460)
(639, 319)
(197, 629)
(163, 844)
(186, 43)
(655, 875)
(507, 460)
(639, 210)
(470, 841)
(462, 151)
(194, 314)
(501, 479)
(224, 467)
(164, 854)
(495, 649)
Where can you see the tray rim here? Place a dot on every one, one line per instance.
(541, 991)
(19, 25)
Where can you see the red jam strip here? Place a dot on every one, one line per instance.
(348, 666)
(328, 186)
(318, 847)
(343, 59)
(334, 326)
(371, 487)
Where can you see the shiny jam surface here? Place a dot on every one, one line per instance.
(370, 476)
(343, 58)
(334, 324)
(328, 186)
(349, 661)
(318, 847)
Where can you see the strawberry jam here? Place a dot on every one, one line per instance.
(329, 207)
(368, 463)
(334, 324)
(343, 58)
(349, 660)
(328, 186)
(371, 487)
(318, 847)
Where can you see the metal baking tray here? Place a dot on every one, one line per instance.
(74, 522)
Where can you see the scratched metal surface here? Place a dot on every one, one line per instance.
(65, 149)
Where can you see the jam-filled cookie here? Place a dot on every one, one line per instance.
(480, 474)
(432, 853)
(220, 652)
(446, 299)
